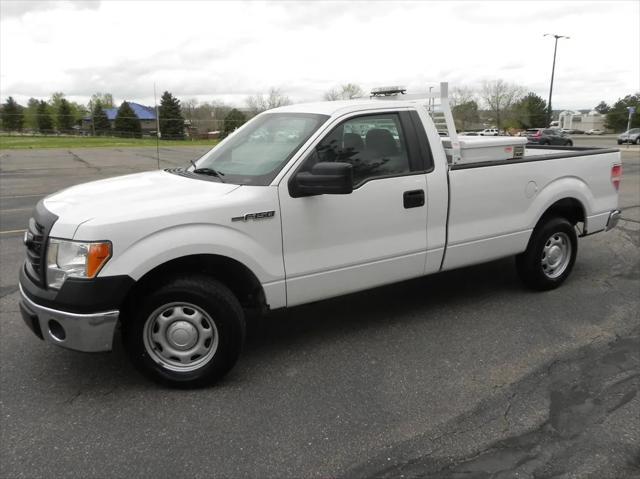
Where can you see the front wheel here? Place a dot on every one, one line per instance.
(186, 333)
(569, 143)
(638, 141)
(550, 255)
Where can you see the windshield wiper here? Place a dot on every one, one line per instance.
(207, 171)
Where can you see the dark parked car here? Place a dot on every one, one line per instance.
(548, 136)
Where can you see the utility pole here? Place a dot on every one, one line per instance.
(553, 69)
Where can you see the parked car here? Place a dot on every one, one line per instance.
(594, 131)
(489, 132)
(365, 195)
(548, 136)
(630, 136)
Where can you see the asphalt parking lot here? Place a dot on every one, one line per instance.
(461, 374)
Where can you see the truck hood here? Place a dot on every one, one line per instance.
(127, 197)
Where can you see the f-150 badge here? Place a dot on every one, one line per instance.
(255, 216)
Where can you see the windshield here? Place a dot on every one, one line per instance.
(255, 154)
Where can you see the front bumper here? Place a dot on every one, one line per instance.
(81, 332)
(614, 217)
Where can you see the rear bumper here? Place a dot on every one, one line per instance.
(82, 332)
(614, 217)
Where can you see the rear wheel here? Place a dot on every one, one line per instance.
(569, 143)
(619, 142)
(186, 333)
(550, 254)
(638, 141)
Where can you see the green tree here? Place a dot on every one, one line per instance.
(618, 116)
(171, 119)
(75, 111)
(105, 99)
(31, 114)
(465, 114)
(45, 122)
(101, 125)
(65, 116)
(234, 119)
(127, 124)
(530, 111)
(12, 115)
(602, 108)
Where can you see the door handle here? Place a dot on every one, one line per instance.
(413, 198)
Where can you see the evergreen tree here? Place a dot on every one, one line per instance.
(101, 125)
(44, 121)
(127, 124)
(31, 114)
(531, 111)
(602, 108)
(171, 119)
(618, 116)
(12, 115)
(233, 120)
(65, 116)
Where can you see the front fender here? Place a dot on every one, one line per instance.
(143, 255)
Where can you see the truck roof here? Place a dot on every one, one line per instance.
(343, 106)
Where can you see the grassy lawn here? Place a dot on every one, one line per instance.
(26, 142)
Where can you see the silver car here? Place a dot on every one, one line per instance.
(630, 136)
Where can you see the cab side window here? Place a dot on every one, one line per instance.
(374, 144)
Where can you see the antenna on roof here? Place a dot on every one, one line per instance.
(155, 101)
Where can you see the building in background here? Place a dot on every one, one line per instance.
(584, 120)
(146, 115)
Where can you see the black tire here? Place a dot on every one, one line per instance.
(638, 141)
(532, 265)
(213, 300)
(619, 142)
(544, 143)
(569, 143)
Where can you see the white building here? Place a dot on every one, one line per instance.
(575, 120)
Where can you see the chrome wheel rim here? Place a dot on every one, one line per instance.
(556, 255)
(180, 337)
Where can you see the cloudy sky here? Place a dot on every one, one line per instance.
(226, 51)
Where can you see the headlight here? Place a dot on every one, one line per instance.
(74, 259)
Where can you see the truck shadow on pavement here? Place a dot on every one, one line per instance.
(324, 321)
(398, 303)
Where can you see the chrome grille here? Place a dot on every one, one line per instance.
(35, 239)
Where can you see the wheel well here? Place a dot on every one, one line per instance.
(233, 274)
(568, 208)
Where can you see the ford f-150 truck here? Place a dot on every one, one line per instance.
(301, 203)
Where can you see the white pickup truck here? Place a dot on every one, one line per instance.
(302, 203)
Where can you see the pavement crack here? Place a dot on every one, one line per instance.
(83, 161)
(74, 397)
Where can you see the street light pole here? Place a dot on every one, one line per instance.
(553, 70)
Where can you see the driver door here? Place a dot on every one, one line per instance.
(334, 244)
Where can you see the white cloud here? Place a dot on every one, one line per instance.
(216, 50)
